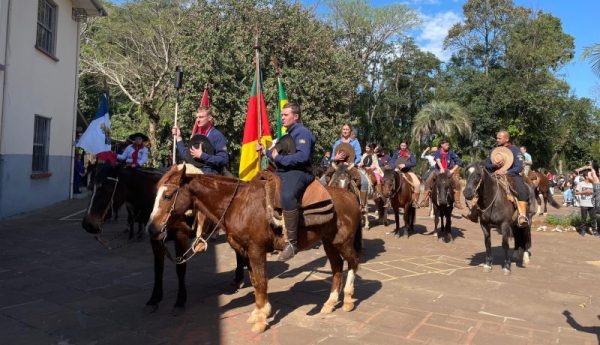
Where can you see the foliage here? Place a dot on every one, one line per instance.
(572, 219)
(593, 54)
(438, 119)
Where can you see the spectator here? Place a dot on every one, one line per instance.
(78, 173)
(584, 193)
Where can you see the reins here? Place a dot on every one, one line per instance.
(495, 195)
(103, 242)
(185, 257)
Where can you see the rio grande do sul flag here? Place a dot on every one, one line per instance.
(249, 161)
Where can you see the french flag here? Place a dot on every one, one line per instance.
(96, 138)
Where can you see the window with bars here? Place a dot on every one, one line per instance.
(41, 141)
(46, 26)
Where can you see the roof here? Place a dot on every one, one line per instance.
(91, 8)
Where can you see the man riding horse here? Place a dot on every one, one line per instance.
(446, 161)
(294, 170)
(403, 161)
(510, 163)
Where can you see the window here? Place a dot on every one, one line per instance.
(41, 140)
(46, 27)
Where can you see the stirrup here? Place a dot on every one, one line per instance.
(519, 218)
(287, 253)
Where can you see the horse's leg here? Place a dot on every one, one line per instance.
(505, 230)
(487, 266)
(181, 245)
(436, 220)
(352, 257)
(238, 281)
(263, 307)
(546, 203)
(449, 224)
(397, 218)
(159, 264)
(337, 266)
(538, 199)
(140, 232)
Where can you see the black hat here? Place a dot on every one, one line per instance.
(138, 134)
(285, 145)
(206, 145)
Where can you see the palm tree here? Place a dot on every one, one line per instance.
(593, 54)
(441, 118)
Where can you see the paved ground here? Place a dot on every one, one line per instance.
(59, 286)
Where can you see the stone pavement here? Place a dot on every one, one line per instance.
(59, 286)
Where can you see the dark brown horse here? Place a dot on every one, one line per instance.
(542, 188)
(399, 193)
(442, 199)
(241, 210)
(496, 211)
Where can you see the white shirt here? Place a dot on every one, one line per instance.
(127, 155)
(585, 200)
(430, 160)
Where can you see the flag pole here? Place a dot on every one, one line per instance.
(277, 100)
(178, 82)
(258, 89)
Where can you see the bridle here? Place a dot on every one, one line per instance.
(185, 257)
(484, 171)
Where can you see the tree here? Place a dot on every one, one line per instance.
(593, 54)
(440, 119)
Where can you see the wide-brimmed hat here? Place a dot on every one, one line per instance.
(200, 139)
(348, 149)
(502, 154)
(138, 134)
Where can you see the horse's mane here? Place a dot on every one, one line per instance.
(174, 171)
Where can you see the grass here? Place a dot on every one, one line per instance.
(571, 219)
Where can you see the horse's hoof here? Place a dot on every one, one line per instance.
(259, 327)
(348, 307)
(525, 259)
(177, 311)
(150, 308)
(327, 309)
(506, 271)
(487, 268)
(252, 317)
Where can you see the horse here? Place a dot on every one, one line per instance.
(497, 211)
(241, 209)
(542, 188)
(442, 200)
(398, 191)
(115, 185)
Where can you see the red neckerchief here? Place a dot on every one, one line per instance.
(404, 153)
(134, 156)
(206, 130)
(444, 159)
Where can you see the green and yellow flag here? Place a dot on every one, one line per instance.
(282, 101)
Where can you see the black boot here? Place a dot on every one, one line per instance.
(290, 219)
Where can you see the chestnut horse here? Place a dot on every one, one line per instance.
(542, 188)
(496, 211)
(399, 192)
(442, 199)
(241, 210)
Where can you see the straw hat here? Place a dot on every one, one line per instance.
(348, 149)
(502, 154)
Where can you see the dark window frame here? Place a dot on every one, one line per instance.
(41, 145)
(46, 28)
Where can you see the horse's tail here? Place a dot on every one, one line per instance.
(358, 238)
(551, 200)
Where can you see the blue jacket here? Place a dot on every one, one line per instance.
(209, 164)
(517, 165)
(355, 145)
(305, 145)
(412, 161)
(451, 156)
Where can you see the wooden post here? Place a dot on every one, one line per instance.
(258, 92)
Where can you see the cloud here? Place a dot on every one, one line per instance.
(434, 31)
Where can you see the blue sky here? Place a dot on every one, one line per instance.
(579, 19)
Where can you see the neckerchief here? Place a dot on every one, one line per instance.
(134, 156)
(444, 159)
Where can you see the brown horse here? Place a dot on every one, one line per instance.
(542, 188)
(241, 210)
(399, 193)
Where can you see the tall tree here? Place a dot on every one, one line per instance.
(441, 119)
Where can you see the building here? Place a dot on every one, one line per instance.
(39, 57)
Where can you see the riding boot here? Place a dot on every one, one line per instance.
(522, 220)
(457, 203)
(363, 200)
(290, 219)
(425, 201)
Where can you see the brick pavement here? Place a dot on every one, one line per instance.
(59, 286)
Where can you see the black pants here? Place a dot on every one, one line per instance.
(591, 211)
(522, 189)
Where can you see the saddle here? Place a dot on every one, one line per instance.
(316, 206)
(412, 179)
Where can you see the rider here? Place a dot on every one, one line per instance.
(211, 164)
(370, 162)
(294, 170)
(514, 171)
(136, 153)
(446, 160)
(342, 157)
(527, 161)
(403, 160)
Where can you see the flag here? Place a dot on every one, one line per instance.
(204, 103)
(282, 101)
(249, 164)
(96, 138)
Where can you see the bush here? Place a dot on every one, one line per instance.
(572, 219)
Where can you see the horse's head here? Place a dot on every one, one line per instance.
(173, 200)
(106, 190)
(390, 182)
(443, 187)
(341, 177)
(473, 173)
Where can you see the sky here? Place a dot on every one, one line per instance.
(579, 19)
